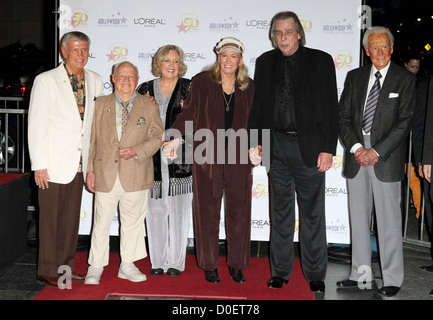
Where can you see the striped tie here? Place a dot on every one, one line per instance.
(124, 115)
(370, 107)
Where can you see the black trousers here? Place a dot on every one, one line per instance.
(288, 174)
(428, 210)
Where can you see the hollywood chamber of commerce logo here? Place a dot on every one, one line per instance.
(145, 55)
(339, 26)
(117, 52)
(187, 23)
(226, 24)
(336, 226)
(112, 20)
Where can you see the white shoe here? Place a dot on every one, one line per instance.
(130, 272)
(93, 275)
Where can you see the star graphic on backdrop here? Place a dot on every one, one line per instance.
(349, 26)
(181, 27)
(123, 20)
(254, 193)
(73, 22)
(111, 55)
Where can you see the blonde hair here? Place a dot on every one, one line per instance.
(162, 54)
(242, 79)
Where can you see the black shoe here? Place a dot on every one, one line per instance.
(347, 284)
(212, 276)
(276, 282)
(427, 268)
(317, 286)
(157, 272)
(237, 275)
(172, 272)
(389, 291)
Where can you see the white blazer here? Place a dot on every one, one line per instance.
(56, 134)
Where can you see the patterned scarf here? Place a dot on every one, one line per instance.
(78, 87)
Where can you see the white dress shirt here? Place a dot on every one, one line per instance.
(371, 82)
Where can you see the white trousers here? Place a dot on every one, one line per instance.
(132, 212)
(167, 224)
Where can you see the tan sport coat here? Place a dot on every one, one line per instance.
(143, 133)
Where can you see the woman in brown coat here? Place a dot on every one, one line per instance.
(219, 105)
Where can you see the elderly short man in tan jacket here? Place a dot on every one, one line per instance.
(126, 132)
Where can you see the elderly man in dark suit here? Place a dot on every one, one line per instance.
(375, 116)
(296, 99)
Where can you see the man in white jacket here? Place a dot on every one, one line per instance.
(60, 120)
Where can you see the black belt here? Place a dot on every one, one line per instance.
(289, 133)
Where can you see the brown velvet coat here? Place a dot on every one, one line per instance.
(205, 107)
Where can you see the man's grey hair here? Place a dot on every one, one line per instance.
(117, 65)
(74, 35)
(373, 30)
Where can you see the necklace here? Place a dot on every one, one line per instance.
(230, 99)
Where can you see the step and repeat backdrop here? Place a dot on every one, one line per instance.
(133, 30)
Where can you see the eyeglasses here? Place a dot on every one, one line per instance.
(279, 33)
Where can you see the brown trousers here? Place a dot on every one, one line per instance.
(207, 220)
(59, 219)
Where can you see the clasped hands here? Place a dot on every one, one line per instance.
(125, 154)
(366, 157)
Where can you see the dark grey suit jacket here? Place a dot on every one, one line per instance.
(419, 118)
(391, 125)
(427, 155)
